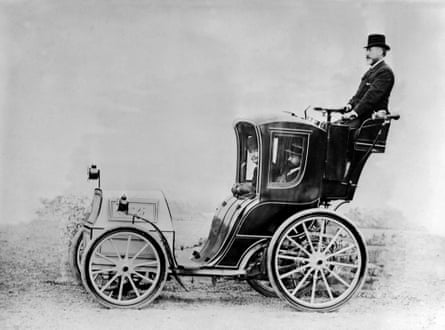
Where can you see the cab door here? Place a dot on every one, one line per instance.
(293, 160)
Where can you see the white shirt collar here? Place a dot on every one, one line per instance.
(292, 171)
(377, 63)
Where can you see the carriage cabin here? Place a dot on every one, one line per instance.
(327, 166)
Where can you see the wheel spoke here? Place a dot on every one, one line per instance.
(143, 277)
(343, 264)
(298, 245)
(109, 282)
(340, 251)
(308, 237)
(339, 278)
(121, 286)
(314, 284)
(128, 247)
(148, 263)
(321, 234)
(290, 252)
(285, 256)
(140, 251)
(332, 240)
(96, 272)
(134, 286)
(328, 288)
(106, 258)
(301, 282)
(296, 270)
(115, 249)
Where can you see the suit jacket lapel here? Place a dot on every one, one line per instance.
(375, 68)
(372, 70)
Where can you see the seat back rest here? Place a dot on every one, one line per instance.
(368, 134)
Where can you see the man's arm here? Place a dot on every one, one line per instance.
(352, 102)
(382, 84)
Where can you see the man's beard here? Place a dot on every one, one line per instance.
(371, 61)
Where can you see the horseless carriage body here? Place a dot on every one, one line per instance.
(279, 231)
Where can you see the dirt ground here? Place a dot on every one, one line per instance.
(406, 291)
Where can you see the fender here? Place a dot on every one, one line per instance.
(169, 253)
(317, 211)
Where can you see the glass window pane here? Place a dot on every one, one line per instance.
(286, 165)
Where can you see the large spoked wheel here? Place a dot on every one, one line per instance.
(76, 252)
(317, 262)
(125, 268)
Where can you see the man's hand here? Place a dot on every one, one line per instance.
(235, 189)
(350, 115)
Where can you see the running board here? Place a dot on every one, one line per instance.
(181, 271)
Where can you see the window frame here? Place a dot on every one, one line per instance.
(291, 133)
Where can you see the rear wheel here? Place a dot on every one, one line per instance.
(124, 268)
(263, 287)
(317, 262)
(260, 284)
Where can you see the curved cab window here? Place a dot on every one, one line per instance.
(288, 154)
(248, 156)
(249, 163)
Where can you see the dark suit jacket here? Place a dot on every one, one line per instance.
(373, 92)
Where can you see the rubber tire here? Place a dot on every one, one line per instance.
(86, 281)
(260, 287)
(74, 251)
(272, 251)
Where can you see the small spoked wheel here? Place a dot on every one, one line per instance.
(317, 262)
(124, 268)
(77, 250)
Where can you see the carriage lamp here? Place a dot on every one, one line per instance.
(123, 204)
(94, 173)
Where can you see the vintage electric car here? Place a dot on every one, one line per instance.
(278, 230)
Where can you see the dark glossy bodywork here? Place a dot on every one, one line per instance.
(332, 161)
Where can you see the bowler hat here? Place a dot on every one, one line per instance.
(295, 149)
(377, 40)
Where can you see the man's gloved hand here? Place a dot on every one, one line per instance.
(350, 115)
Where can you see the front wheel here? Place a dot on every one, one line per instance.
(317, 262)
(124, 268)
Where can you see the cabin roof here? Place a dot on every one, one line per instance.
(283, 118)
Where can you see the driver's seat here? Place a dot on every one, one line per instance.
(372, 133)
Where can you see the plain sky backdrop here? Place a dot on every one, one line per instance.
(149, 89)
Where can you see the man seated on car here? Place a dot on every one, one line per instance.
(375, 87)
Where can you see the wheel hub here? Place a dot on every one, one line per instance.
(317, 260)
(124, 267)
